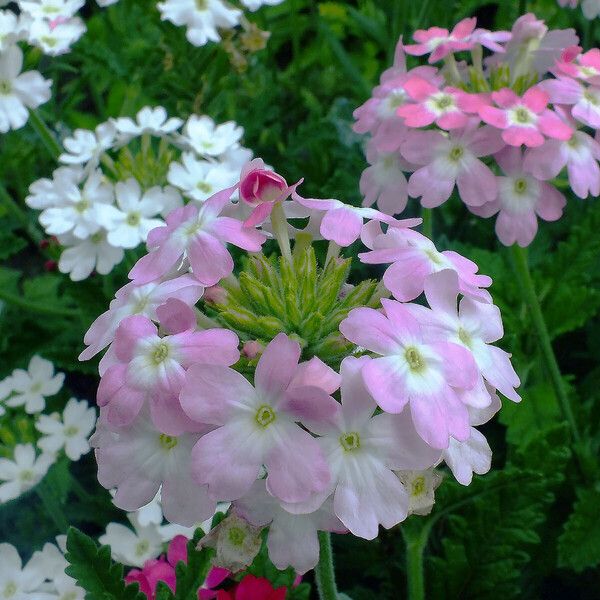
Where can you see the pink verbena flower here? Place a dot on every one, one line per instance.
(492, 40)
(475, 326)
(134, 299)
(199, 234)
(343, 223)
(261, 188)
(450, 161)
(413, 369)
(413, 258)
(363, 449)
(257, 425)
(438, 42)
(577, 64)
(525, 120)
(383, 182)
(137, 460)
(292, 539)
(521, 199)
(584, 99)
(445, 107)
(580, 155)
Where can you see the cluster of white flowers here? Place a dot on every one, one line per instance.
(204, 18)
(68, 432)
(43, 577)
(96, 212)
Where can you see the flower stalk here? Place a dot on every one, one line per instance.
(324, 571)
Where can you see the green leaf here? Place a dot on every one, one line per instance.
(579, 545)
(94, 571)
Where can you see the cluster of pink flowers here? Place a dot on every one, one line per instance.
(295, 444)
(499, 129)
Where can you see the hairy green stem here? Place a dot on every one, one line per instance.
(415, 573)
(324, 572)
(45, 134)
(427, 227)
(280, 230)
(524, 275)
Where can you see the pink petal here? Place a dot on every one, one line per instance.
(211, 346)
(341, 225)
(494, 116)
(369, 328)
(277, 367)
(130, 331)
(386, 384)
(175, 316)
(209, 258)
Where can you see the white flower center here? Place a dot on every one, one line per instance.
(441, 103)
(26, 476)
(160, 353)
(350, 441)
(71, 431)
(456, 153)
(465, 337)
(168, 442)
(414, 359)
(82, 206)
(49, 40)
(133, 219)
(265, 415)
(5, 87)
(69, 596)
(520, 186)
(522, 116)
(10, 590)
(142, 547)
(236, 536)
(591, 97)
(205, 187)
(417, 487)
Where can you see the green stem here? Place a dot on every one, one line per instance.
(36, 307)
(524, 275)
(324, 572)
(45, 134)
(53, 508)
(415, 574)
(427, 227)
(280, 230)
(32, 232)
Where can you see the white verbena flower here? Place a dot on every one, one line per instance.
(200, 179)
(256, 4)
(150, 120)
(31, 388)
(132, 547)
(45, 192)
(86, 147)
(209, 139)
(23, 472)
(50, 9)
(203, 18)
(19, 91)
(56, 37)
(81, 257)
(20, 582)
(136, 212)
(82, 212)
(13, 28)
(70, 432)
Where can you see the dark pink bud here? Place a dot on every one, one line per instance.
(252, 349)
(215, 295)
(50, 265)
(259, 185)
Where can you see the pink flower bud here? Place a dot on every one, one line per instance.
(215, 295)
(259, 185)
(252, 349)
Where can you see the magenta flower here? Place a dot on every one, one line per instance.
(134, 299)
(413, 369)
(438, 42)
(257, 425)
(521, 199)
(524, 120)
(414, 257)
(292, 540)
(343, 223)
(580, 155)
(261, 189)
(451, 161)
(138, 460)
(151, 367)
(363, 450)
(445, 107)
(199, 234)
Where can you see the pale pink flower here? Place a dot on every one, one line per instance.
(413, 369)
(199, 233)
(584, 66)
(438, 42)
(256, 425)
(521, 199)
(580, 155)
(491, 39)
(292, 540)
(152, 368)
(450, 161)
(445, 107)
(138, 460)
(134, 299)
(584, 99)
(413, 258)
(343, 223)
(524, 120)
(363, 449)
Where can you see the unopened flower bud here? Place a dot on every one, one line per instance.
(259, 185)
(215, 295)
(252, 349)
(50, 265)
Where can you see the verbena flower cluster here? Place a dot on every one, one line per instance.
(23, 397)
(499, 129)
(308, 403)
(119, 181)
(590, 8)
